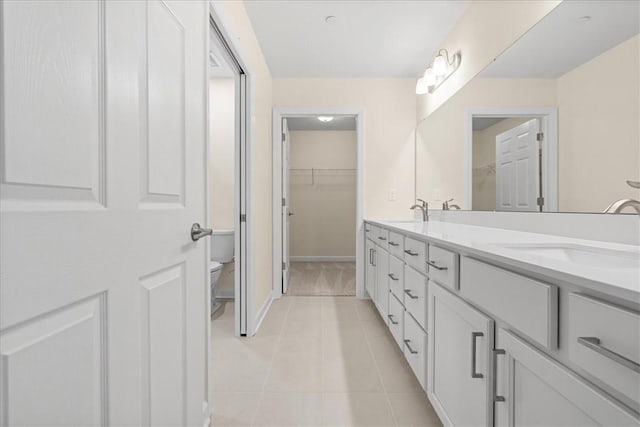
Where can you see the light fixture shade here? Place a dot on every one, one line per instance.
(439, 66)
(325, 118)
(429, 77)
(421, 86)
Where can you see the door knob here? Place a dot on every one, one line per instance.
(198, 232)
(290, 213)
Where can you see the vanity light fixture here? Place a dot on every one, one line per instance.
(438, 71)
(325, 119)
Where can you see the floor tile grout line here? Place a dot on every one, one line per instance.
(375, 361)
(273, 355)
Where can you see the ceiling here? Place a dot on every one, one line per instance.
(560, 42)
(481, 123)
(312, 123)
(368, 39)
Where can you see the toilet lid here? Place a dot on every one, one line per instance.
(214, 265)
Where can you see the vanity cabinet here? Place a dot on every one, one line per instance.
(460, 370)
(494, 345)
(533, 389)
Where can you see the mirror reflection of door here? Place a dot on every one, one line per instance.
(506, 164)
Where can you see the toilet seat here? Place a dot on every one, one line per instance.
(214, 265)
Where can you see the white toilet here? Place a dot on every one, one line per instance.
(222, 250)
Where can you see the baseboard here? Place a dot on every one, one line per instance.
(322, 259)
(262, 313)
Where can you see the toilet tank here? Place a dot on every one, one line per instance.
(222, 245)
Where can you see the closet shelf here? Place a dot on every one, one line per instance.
(313, 173)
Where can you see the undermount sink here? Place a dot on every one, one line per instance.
(582, 255)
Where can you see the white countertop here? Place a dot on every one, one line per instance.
(487, 243)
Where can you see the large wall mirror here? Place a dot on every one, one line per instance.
(553, 124)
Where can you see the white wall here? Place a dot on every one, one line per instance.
(222, 151)
(235, 21)
(389, 106)
(486, 29)
(599, 149)
(324, 206)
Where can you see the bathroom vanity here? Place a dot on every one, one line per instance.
(511, 328)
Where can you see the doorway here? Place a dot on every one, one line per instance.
(227, 185)
(318, 193)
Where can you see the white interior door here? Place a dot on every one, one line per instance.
(102, 294)
(518, 168)
(286, 214)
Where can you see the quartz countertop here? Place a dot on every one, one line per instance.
(492, 244)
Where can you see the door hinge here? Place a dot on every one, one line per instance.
(243, 217)
(540, 201)
(284, 137)
(539, 136)
(284, 202)
(284, 266)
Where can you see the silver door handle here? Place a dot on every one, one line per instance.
(497, 353)
(390, 316)
(290, 213)
(408, 292)
(594, 344)
(198, 232)
(436, 266)
(412, 351)
(474, 344)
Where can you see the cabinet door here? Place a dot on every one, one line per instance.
(460, 372)
(370, 273)
(533, 389)
(382, 282)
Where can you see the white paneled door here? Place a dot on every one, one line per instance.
(102, 294)
(518, 168)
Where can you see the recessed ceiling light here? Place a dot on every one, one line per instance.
(325, 118)
(330, 19)
(584, 19)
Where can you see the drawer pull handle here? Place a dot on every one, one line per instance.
(382, 238)
(594, 344)
(497, 353)
(393, 243)
(392, 277)
(374, 258)
(474, 345)
(408, 292)
(390, 316)
(436, 266)
(409, 252)
(412, 351)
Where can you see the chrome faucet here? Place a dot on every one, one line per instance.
(424, 208)
(619, 205)
(446, 206)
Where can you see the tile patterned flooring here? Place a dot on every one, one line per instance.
(316, 361)
(322, 278)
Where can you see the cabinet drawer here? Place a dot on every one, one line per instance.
(443, 267)
(382, 238)
(604, 340)
(415, 348)
(396, 320)
(396, 276)
(415, 254)
(528, 305)
(396, 244)
(415, 295)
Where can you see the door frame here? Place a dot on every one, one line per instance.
(278, 114)
(244, 323)
(548, 125)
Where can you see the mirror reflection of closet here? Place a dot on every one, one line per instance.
(574, 78)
